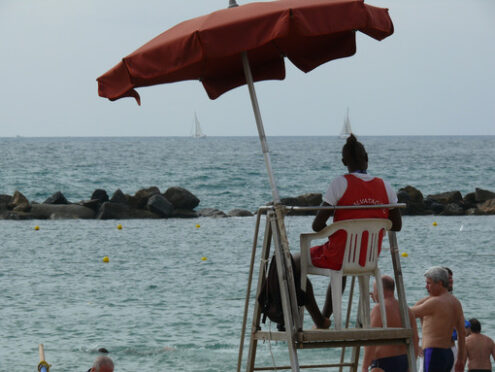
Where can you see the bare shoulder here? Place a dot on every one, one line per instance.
(422, 301)
(489, 340)
(456, 300)
(457, 304)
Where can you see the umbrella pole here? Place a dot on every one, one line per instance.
(292, 318)
(259, 125)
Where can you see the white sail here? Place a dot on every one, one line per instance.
(197, 133)
(346, 128)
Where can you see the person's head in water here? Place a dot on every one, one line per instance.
(354, 156)
(102, 364)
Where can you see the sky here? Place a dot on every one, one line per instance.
(434, 76)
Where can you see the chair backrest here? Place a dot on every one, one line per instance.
(362, 234)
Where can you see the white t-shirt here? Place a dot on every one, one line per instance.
(338, 186)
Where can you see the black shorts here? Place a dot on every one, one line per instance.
(397, 363)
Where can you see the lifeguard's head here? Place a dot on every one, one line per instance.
(354, 156)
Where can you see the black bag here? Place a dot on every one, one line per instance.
(270, 299)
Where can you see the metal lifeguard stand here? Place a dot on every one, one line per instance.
(296, 337)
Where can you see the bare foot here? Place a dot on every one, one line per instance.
(326, 324)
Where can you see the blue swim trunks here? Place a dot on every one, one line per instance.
(438, 360)
(397, 363)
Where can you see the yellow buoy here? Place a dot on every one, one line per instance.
(198, 226)
(203, 258)
(106, 259)
(36, 227)
(119, 226)
(434, 223)
(404, 254)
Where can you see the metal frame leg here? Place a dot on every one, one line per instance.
(401, 294)
(253, 343)
(286, 283)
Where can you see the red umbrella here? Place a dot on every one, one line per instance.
(242, 44)
(208, 48)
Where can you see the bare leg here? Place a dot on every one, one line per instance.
(328, 308)
(311, 305)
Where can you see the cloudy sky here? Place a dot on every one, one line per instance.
(434, 76)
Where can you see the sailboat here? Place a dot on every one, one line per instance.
(196, 132)
(346, 128)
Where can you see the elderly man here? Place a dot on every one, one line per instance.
(389, 358)
(479, 349)
(102, 364)
(440, 313)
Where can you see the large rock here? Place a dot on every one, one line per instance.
(61, 211)
(435, 207)
(5, 201)
(57, 198)
(181, 198)
(469, 201)
(19, 203)
(118, 197)
(487, 207)
(211, 212)
(100, 195)
(446, 197)
(309, 200)
(239, 213)
(110, 211)
(305, 200)
(93, 204)
(142, 196)
(453, 209)
(483, 195)
(409, 194)
(415, 204)
(159, 205)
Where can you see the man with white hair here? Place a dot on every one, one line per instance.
(441, 313)
(102, 364)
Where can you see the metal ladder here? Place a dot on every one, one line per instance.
(294, 335)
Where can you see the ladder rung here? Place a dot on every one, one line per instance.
(348, 337)
(272, 368)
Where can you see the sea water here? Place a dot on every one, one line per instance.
(171, 297)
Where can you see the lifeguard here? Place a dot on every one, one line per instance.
(355, 188)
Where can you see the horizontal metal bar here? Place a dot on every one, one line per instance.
(333, 344)
(273, 368)
(333, 207)
(332, 336)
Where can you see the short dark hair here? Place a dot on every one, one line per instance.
(448, 270)
(388, 283)
(475, 325)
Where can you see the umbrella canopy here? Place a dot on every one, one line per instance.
(209, 48)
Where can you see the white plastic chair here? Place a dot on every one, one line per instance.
(350, 266)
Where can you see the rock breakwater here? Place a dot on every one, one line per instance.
(177, 202)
